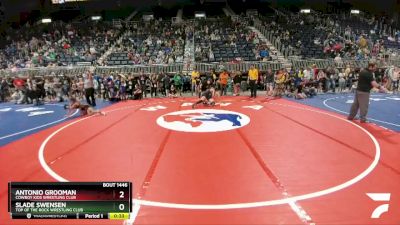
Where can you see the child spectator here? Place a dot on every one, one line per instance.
(172, 92)
(137, 93)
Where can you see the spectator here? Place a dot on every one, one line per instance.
(137, 93)
(342, 81)
(269, 82)
(49, 89)
(195, 81)
(58, 88)
(253, 81)
(122, 89)
(142, 83)
(172, 92)
(307, 74)
(223, 82)
(392, 74)
(178, 83)
(212, 76)
(264, 53)
(154, 83)
(338, 60)
(166, 84)
(280, 79)
(17, 97)
(321, 80)
(4, 90)
(300, 73)
(237, 80)
(229, 87)
(299, 94)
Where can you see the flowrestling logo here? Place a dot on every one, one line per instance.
(203, 120)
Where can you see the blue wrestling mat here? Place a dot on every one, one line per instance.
(384, 109)
(17, 121)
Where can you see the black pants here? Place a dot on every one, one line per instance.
(89, 94)
(32, 97)
(2, 96)
(153, 91)
(361, 102)
(144, 90)
(253, 88)
(137, 96)
(105, 94)
(223, 89)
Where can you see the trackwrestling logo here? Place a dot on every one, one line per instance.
(203, 120)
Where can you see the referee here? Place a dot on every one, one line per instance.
(253, 80)
(89, 89)
(366, 82)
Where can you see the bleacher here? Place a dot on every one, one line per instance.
(153, 43)
(61, 44)
(318, 36)
(119, 58)
(232, 41)
(217, 39)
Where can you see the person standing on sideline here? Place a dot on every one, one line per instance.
(89, 89)
(269, 81)
(142, 83)
(167, 84)
(394, 77)
(178, 83)
(342, 81)
(195, 81)
(154, 83)
(213, 76)
(253, 81)
(237, 79)
(366, 82)
(223, 82)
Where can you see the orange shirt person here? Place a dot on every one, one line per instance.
(223, 81)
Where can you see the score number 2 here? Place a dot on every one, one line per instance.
(121, 196)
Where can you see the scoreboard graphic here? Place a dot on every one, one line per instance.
(66, 1)
(70, 200)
